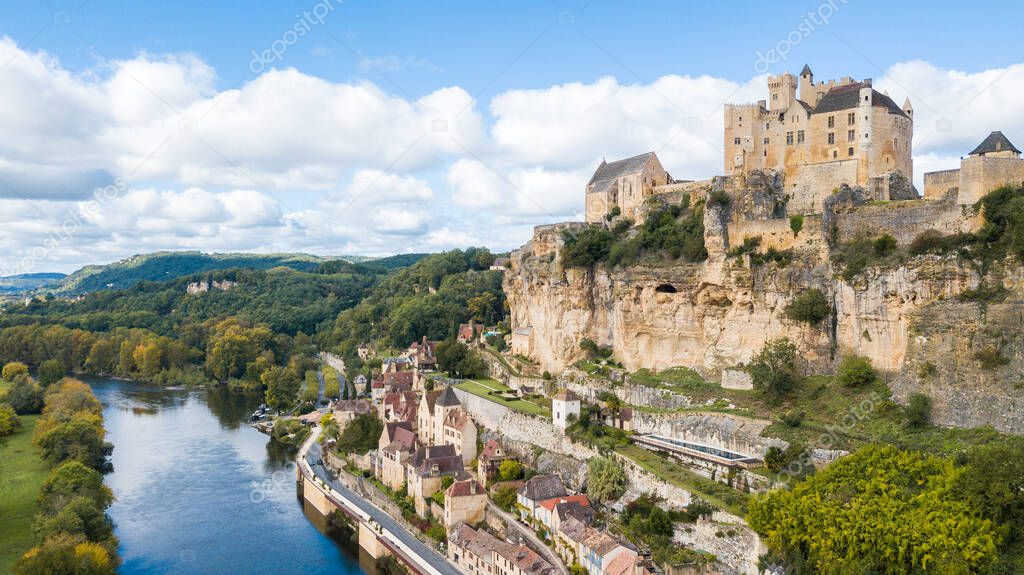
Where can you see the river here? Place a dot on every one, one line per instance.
(199, 491)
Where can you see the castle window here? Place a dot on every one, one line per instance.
(789, 138)
(834, 154)
(851, 118)
(849, 151)
(799, 136)
(831, 137)
(851, 135)
(895, 143)
(736, 141)
(765, 142)
(831, 121)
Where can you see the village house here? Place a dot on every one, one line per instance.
(459, 430)
(434, 409)
(425, 470)
(536, 489)
(488, 462)
(347, 409)
(422, 354)
(595, 550)
(469, 332)
(621, 418)
(393, 364)
(464, 501)
(399, 406)
(397, 444)
(569, 504)
(565, 408)
(477, 552)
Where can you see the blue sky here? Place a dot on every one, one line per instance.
(334, 146)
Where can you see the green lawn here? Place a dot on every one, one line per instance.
(21, 474)
(710, 490)
(484, 387)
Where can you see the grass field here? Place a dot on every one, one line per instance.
(483, 387)
(21, 474)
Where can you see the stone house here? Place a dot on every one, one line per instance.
(624, 184)
(399, 444)
(536, 489)
(346, 410)
(425, 469)
(434, 409)
(469, 332)
(578, 504)
(399, 406)
(564, 405)
(477, 552)
(595, 550)
(489, 460)
(465, 502)
(422, 354)
(459, 430)
(621, 418)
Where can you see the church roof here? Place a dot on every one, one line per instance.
(995, 142)
(848, 96)
(618, 168)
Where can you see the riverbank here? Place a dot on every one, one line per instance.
(23, 472)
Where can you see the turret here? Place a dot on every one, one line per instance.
(807, 85)
(907, 108)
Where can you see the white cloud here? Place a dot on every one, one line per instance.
(292, 162)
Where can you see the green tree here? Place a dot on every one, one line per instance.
(70, 480)
(796, 223)
(510, 470)
(50, 372)
(505, 497)
(918, 410)
(880, 510)
(14, 369)
(66, 555)
(25, 396)
(773, 369)
(606, 479)
(811, 306)
(993, 481)
(855, 371)
(9, 421)
(79, 439)
(282, 387)
(361, 434)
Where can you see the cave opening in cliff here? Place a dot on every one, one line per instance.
(666, 288)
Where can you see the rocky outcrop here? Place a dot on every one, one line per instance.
(717, 314)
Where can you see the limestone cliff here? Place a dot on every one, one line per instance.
(718, 313)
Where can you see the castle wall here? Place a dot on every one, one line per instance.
(808, 186)
(980, 175)
(776, 233)
(937, 184)
(903, 220)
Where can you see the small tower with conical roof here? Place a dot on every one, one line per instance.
(907, 108)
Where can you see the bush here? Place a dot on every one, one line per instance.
(505, 498)
(884, 245)
(773, 370)
(9, 421)
(588, 247)
(792, 418)
(796, 223)
(990, 358)
(918, 410)
(855, 371)
(810, 307)
(510, 470)
(593, 350)
(719, 198)
(25, 396)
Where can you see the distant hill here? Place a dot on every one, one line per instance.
(27, 282)
(163, 266)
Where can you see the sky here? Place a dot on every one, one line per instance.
(355, 127)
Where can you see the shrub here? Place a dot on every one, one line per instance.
(589, 246)
(622, 226)
(595, 351)
(606, 479)
(773, 370)
(928, 241)
(719, 198)
(9, 421)
(990, 358)
(810, 307)
(918, 410)
(927, 370)
(505, 498)
(25, 396)
(884, 245)
(792, 418)
(510, 470)
(855, 371)
(796, 223)
(615, 212)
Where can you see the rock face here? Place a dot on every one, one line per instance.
(717, 314)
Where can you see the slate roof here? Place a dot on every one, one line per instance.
(806, 71)
(610, 171)
(541, 487)
(403, 440)
(444, 456)
(575, 510)
(431, 398)
(995, 142)
(848, 97)
(566, 395)
(448, 398)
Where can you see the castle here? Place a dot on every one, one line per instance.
(818, 136)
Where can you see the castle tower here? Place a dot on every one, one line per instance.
(782, 92)
(807, 85)
(565, 406)
(907, 108)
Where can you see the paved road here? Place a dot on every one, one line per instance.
(313, 457)
(537, 544)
